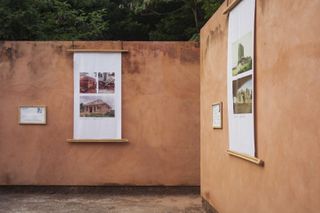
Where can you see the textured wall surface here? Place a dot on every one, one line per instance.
(160, 112)
(287, 113)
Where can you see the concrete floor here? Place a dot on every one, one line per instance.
(93, 203)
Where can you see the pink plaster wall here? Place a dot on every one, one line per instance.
(160, 112)
(287, 113)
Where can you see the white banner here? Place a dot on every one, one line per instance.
(97, 96)
(241, 78)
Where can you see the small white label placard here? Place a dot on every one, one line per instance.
(217, 116)
(32, 115)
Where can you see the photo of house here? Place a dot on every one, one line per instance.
(96, 106)
(106, 82)
(88, 83)
(242, 52)
(242, 95)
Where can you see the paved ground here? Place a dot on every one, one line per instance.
(93, 203)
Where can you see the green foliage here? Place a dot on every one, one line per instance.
(104, 19)
(49, 20)
(210, 7)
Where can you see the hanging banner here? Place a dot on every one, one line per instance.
(97, 96)
(241, 78)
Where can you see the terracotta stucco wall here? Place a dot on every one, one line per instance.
(160, 112)
(287, 113)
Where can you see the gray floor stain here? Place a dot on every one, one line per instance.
(91, 203)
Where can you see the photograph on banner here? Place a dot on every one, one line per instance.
(88, 82)
(106, 81)
(242, 51)
(97, 106)
(242, 95)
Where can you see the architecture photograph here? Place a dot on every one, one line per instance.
(96, 108)
(106, 82)
(88, 83)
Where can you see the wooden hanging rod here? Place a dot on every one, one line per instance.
(98, 50)
(246, 157)
(231, 6)
(122, 140)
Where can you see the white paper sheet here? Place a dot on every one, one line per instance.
(32, 115)
(97, 96)
(216, 116)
